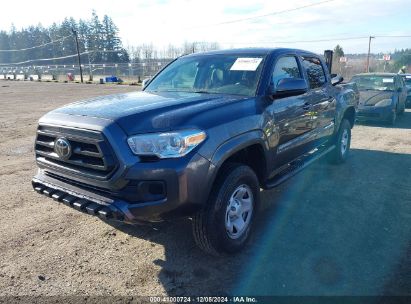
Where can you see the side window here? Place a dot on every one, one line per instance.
(315, 72)
(286, 67)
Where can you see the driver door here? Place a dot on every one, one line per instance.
(290, 114)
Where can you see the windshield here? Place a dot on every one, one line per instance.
(372, 82)
(226, 74)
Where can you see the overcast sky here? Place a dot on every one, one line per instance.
(174, 21)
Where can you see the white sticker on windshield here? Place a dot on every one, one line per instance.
(246, 64)
(388, 80)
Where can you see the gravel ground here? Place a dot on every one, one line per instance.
(331, 230)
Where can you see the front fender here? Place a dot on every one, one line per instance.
(237, 143)
(347, 98)
(229, 148)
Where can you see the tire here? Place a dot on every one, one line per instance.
(342, 143)
(217, 228)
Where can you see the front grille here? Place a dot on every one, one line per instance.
(91, 155)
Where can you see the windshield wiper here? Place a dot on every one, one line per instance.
(200, 91)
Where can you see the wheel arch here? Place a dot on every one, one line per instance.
(349, 114)
(249, 148)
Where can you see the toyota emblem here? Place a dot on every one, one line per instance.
(63, 148)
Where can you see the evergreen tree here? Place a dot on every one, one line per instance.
(338, 51)
(100, 38)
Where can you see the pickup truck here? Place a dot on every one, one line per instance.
(200, 141)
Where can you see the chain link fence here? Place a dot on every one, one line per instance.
(127, 72)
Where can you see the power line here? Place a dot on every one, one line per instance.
(319, 40)
(300, 41)
(59, 58)
(37, 46)
(265, 15)
(394, 36)
(41, 59)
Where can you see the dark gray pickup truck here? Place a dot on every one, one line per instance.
(203, 137)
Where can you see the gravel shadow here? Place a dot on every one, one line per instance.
(331, 230)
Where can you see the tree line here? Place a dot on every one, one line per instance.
(148, 52)
(98, 40)
(399, 59)
(98, 37)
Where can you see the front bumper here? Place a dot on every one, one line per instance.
(122, 195)
(184, 190)
(371, 113)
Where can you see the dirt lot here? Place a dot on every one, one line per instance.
(331, 230)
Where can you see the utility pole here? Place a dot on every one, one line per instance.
(368, 56)
(89, 67)
(78, 54)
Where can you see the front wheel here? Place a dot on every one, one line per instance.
(224, 225)
(342, 144)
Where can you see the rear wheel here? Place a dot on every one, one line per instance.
(342, 143)
(224, 225)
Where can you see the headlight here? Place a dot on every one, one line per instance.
(166, 145)
(384, 103)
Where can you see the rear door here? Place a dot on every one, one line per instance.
(320, 97)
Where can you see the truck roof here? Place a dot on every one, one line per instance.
(256, 51)
(377, 74)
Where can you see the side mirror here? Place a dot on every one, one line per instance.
(145, 82)
(290, 87)
(336, 79)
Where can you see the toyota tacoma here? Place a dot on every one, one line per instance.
(200, 141)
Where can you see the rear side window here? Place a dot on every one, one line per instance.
(315, 72)
(286, 67)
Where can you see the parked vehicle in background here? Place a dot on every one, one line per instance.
(407, 80)
(200, 141)
(382, 96)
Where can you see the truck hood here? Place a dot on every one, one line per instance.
(371, 97)
(140, 112)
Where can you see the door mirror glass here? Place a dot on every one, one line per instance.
(336, 79)
(290, 87)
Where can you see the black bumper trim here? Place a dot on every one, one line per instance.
(69, 200)
(105, 212)
(49, 191)
(80, 204)
(58, 196)
(93, 208)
